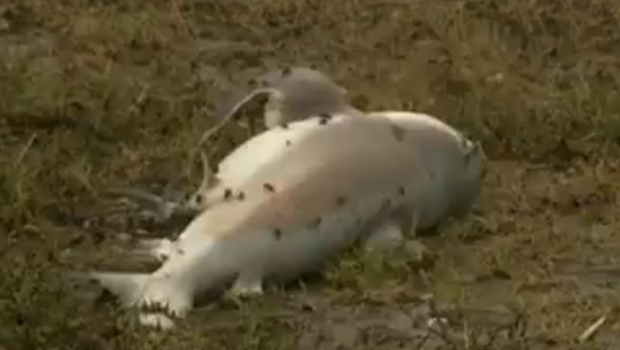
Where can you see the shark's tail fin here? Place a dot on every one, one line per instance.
(127, 287)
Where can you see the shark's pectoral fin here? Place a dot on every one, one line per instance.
(387, 235)
(160, 294)
(409, 219)
(392, 232)
(247, 285)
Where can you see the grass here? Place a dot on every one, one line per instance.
(96, 94)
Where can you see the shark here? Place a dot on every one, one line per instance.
(296, 194)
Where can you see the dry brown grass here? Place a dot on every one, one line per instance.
(113, 93)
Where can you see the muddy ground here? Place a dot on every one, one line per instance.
(97, 95)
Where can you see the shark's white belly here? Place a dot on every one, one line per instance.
(205, 262)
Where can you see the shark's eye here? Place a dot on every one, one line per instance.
(198, 199)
